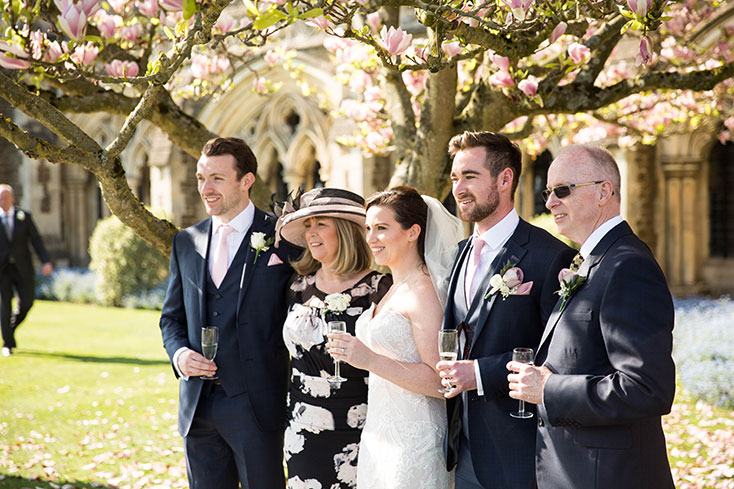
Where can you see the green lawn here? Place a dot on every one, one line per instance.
(89, 400)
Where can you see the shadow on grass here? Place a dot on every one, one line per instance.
(10, 482)
(88, 358)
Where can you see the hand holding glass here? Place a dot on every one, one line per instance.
(337, 379)
(209, 344)
(522, 355)
(448, 349)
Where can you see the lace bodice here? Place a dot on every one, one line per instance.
(402, 441)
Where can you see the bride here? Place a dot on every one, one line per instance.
(396, 340)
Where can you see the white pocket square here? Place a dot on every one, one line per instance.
(274, 260)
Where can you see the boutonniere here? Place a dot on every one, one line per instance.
(260, 243)
(508, 282)
(20, 215)
(337, 303)
(570, 281)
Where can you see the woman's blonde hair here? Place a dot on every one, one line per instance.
(352, 254)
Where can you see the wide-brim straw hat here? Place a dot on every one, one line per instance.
(319, 202)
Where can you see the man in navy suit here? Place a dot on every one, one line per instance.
(224, 272)
(17, 232)
(605, 374)
(492, 449)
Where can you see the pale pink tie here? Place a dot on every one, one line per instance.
(221, 255)
(471, 270)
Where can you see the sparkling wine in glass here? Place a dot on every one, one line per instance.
(209, 344)
(522, 355)
(337, 379)
(448, 349)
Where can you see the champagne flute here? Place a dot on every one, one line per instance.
(337, 379)
(448, 349)
(209, 344)
(522, 355)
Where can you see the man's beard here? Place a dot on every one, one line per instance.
(481, 211)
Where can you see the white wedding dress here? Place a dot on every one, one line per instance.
(402, 440)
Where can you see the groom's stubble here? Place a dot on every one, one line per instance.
(482, 210)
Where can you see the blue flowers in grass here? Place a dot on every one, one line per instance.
(704, 348)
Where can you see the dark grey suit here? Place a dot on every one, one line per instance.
(502, 448)
(16, 271)
(232, 431)
(610, 352)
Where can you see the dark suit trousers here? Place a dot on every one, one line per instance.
(11, 281)
(225, 446)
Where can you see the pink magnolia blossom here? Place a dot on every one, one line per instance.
(172, 5)
(578, 52)
(54, 51)
(395, 41)
(451, 48)
(37, 40)
(11, 63)
(119, 6)
(319, 22)
(85, 55)
(260, 85)
(639, 7)
(272, 58)
(73, 21)
(203, 67)
(502, 79)
(529, 86)
(373, 20)
(645, 55)
(131, 32)
(360, 80)
(502, 62)
(149, 8)
(89, 7)
(519, 8)
(225, 23)
(559, 30)
(415, 81)
(126, 69)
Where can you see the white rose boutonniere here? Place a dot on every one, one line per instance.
(570, 281)
(509, 282)
(260, 243)
(337, 303)
(20, 215)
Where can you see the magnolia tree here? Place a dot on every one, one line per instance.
(530, 68)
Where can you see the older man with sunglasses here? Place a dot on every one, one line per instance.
(604, 374)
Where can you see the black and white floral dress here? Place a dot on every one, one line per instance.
(325, 423)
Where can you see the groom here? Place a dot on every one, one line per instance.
(221, 274)
(491, 449)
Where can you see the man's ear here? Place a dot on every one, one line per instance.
(606, 191)
(247, 181)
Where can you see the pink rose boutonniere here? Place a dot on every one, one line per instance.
(508, 282)
(570, 281)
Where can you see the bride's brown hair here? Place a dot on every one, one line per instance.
(409, 209)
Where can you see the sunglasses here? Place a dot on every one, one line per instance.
(563, 191)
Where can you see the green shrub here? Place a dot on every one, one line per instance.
(545, 221)
(123, 262)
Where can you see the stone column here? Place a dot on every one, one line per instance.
(682, 223)
(641, 192)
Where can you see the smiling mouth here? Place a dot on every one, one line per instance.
(376, 250)
(559, 216)
(210, 199)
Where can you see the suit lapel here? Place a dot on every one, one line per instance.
(201, 246)
(586, 268)
(259, 225)
(514, 251)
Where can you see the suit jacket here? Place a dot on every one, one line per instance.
(610, 351)
(15, 249)
(261, 309)
(503, 447)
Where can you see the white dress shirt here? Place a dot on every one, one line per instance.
(494, 239)
(9, 218)
(240, 225)
(597, 235)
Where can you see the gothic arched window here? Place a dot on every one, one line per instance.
(721, 203)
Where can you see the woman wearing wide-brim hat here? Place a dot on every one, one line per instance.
(325, 419)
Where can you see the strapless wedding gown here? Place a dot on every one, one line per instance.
(402, 441)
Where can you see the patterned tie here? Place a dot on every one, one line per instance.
(470, 285)
(576, 262)
(221, 255)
